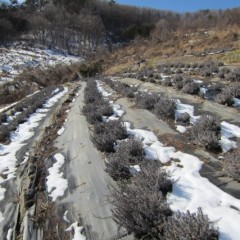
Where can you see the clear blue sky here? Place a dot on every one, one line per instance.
(183, 5)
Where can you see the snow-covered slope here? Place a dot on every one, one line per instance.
(15, 59)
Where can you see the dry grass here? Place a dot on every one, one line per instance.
(178, 48)
(119, 68)
(232, 57)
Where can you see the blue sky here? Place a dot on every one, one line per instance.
(183, 5)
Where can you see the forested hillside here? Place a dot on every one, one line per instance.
(83, 26)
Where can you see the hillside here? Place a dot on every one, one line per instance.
(195, 47)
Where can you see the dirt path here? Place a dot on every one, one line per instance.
(143, 118)
(225, 113)
(87, 196)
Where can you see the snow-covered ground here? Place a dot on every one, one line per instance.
(190, 189)
(228, 130)
(117, 111)
(61, 131)
(189, 186)
(56, 184)
(8, 159)
(236, 102)
(14, 60)
(102, 90)
(77, 231)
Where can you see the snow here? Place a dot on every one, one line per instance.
(236, 102)
(164, 76)
(14, 60)
(117, 110)
(102, 90)
(203, 90)
(157, 151)
(77, 231)
(147, 137)
(181, 129)
(198, 81)
(56, 184)
(185, 108)
(24, 132)
(189, 186)
(135, 169)
(60, 131)
(117, 113)
(190, 189)
(26, 157)
(9, 234)
(187, 194)
(55, 98)
(154, 150)
(8, 152)
(65, 217)
(55, 91)
(227, 144)
(228, 131)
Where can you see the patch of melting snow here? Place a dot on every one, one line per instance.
(9, 234)
(60, 131)
(24, 132)
(236, 102)
(55, 91)
(185, 108)
(164, 76)
(203, 90)
(197, 81)
(65, 217)
(230, 130)
(117, 113)
(42, 110)
(145, 136)
(227, 144)
(77, 231)
(26, 157)
(187, 194)
(135, 169)
(102, 90)
(181, 129)
(117, 110)
(227, 130)
(55, 98)
(56, 184)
